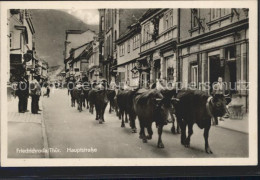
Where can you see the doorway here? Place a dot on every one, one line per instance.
(215, 70)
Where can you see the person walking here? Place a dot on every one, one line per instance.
(220, 88)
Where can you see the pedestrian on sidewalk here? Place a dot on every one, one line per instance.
(220, 88)
(35, 94)
(21, 93)
(26, 79)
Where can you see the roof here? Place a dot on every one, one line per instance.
(132, 30)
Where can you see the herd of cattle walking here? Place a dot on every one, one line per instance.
(152, 105)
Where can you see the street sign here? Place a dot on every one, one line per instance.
(27, 57)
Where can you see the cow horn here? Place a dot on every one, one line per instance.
(226, 95)
(176, 99)
(158, 99)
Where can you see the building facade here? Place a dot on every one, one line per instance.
(21, 44)
(128, 48)
(113, 23)
(75, 43)
(159, 34)
(214, 43)
(93, 58)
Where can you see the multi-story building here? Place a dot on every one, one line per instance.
(75, 43)
(128, 48)
(21, 44)
(92, 55)
(159, 33)
(113, 23)
(214, 43)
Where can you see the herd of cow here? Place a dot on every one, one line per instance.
(153, 105)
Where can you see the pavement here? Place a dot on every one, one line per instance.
(68, 133)
(25, 132)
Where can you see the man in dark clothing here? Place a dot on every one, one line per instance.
(21, 92)
(26, 79)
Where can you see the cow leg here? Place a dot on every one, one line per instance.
(110, 108)
(183, 132)
(150, 131)
(142, 132)
(132, 123)
(103, 112)
(97, 115)
(178, 128)
(190, 132)
(122, 116)
(87, 103)
(126, 119)
(173, 126)
(160, 143)
(206, 135)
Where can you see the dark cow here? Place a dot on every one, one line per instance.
(91, 99)
(98, 98)
(198, 107)
(78, 95)
(111, 98)
(71, 86)
(151, 106)
(172, 93)
(125, 103)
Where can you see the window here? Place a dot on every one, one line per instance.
(194, 18)
(122, 49)
(194, 75)
(168, 20)
(215, 14)
(128, 46)
(136, 42)
(146, 32)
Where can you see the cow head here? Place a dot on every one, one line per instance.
(219, 102)
(164, 109)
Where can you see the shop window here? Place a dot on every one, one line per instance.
(194, 75)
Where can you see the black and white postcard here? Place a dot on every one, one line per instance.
(93, 83)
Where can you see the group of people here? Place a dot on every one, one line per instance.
(24, 89)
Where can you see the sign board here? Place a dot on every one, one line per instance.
(15, 58)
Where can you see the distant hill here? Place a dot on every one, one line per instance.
(53, 71)
(50, 27)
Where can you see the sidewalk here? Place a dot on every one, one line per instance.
(240, 125)
(25, 132)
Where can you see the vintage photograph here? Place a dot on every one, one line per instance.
(127, 83)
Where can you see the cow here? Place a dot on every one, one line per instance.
(125, 103)
(168, 93)
(111, 98)
(151, 106)
(196, 106)
(101, 101)
(78, 95)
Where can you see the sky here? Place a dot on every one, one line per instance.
(89, 16)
